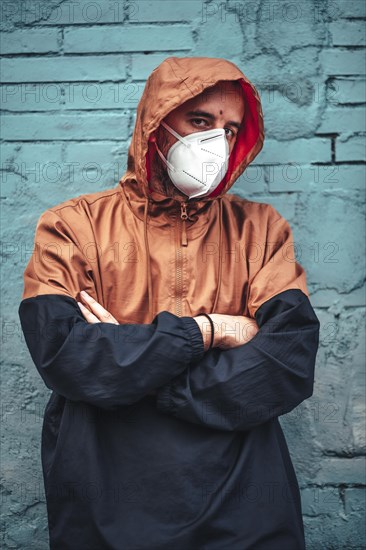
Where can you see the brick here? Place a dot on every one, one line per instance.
(64, 69)
(85, 12)
(355, 499)
(283, 24)
(71, 95)
(31, 96)
(143, 65)
(284, 205)
(64, 127)
(346, 90)
(27, 159)
(291, 177)
(326, 298)
(148, 11)
(345, 8)
(101, 151)
(251, 181)
(91, 163)
(342, 119)
(114, 95)
(227, 42)
(347, 33)
(127, 39)
(300, 151)
(334, 531)
(297, 177)
(342, 470)
(336, 252)
(317, 500)
(30, 41)
(342, 62)
(352, 149)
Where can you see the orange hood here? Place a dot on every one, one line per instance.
(174, 81)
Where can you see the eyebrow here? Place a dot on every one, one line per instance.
(211, 117)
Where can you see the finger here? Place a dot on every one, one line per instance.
(98, 309)
(87, 314)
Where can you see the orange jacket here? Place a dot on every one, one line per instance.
(123, 468)
(129, 247)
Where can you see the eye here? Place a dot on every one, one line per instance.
(197, 120)
(233, 134)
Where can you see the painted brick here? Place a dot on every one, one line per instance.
(64, 127)
(64, 69)
(342, 62)
(30, 41)
(57, 13)
(317, 500)
(112, 95)
(127, 39)
(342, 119)
(285, 208)
(226, 33)
(346, 90)
(335, 253)
(300, 151)
(148, 11)
(283, 24)
(297, 177)
(31, 96)
(342, 470)
(95, 166)
(143, 65)
(85, 12)
(29, 152)
(355, 500)
(347, 33)
(345, 8)
(335, 531)
(326, 298)
(251, 181)
(71, 96)
(352, 149)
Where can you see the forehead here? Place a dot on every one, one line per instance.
(225, 96)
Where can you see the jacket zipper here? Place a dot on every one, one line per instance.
(184, 216)
(179, 270)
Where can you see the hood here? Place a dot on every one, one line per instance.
(174, 81)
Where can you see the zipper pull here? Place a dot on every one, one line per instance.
(184, 216)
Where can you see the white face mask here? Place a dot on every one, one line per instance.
(197, 163)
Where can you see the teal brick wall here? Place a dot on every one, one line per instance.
(72, 75)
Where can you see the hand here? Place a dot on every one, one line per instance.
(231, 331)
(98, 313)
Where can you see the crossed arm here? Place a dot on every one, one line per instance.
(262, 370)
(243, 386)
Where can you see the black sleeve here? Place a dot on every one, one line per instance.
(242, 387)
(105, 364)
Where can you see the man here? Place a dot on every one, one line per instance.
(162, 428)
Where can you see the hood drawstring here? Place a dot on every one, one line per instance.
(220, 256)
(148, 269)
(148, 272)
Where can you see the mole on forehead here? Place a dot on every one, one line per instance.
(220, 112)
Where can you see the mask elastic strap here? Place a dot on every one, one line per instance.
(170, 129)
(164, 159)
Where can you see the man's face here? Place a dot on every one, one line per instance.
(221, 106)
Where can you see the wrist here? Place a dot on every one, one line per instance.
(207, 330)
